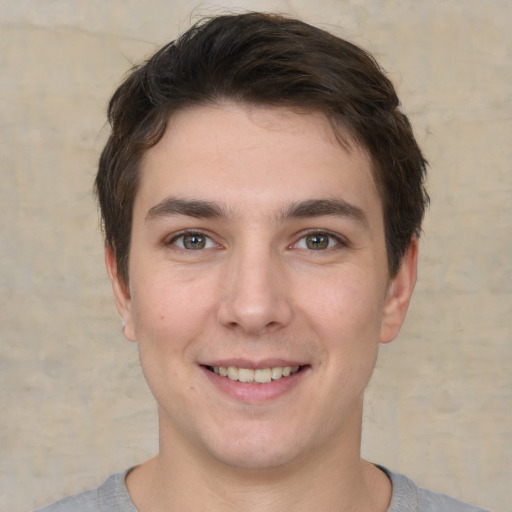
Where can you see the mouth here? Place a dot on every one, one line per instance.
(255, 376)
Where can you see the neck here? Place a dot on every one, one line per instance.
(333, 478)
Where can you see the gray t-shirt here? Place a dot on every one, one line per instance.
(112, 496)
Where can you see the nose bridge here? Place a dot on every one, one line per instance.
(255, 296)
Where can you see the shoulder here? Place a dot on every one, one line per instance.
(111, 496)
(408, 497)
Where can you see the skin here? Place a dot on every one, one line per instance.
(258, 289)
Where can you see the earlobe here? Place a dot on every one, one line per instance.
(399, 294)
(121, 295)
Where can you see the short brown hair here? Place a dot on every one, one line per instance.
(269, 60)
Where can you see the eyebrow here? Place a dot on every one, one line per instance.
(192, 208)
(325, 208)
(202, 209)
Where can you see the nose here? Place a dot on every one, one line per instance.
(256, 293)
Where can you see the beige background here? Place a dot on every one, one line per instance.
(74, 406)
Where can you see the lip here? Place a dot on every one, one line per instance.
(252, 364)
(255, 393)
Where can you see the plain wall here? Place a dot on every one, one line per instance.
(73, 403)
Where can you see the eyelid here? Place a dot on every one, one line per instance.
(341, 241)
(171, 239)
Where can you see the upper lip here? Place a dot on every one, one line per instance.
(254, 364)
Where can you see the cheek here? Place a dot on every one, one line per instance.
(170, 310)
(349, 305)
(171, 319)
(347, 318)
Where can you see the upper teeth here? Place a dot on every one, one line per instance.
(261, 375)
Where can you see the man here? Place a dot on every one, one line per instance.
(262, 198)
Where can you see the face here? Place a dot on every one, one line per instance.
(259, 289)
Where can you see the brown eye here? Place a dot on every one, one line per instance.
(317, 241)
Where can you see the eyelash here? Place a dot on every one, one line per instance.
(339, 241)
(182, 234)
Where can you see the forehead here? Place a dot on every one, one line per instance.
(252, 157)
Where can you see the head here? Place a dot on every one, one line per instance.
(267, 60)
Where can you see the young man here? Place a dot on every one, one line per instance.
(262, 197)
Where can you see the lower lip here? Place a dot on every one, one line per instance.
(255, 393)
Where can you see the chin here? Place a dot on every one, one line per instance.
(256, 461)
(258, 453)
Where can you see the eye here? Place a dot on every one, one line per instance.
(193, 241)
(318, 241)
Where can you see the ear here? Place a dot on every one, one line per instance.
(121, 295)
(399, 294)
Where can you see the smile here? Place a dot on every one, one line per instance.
(260, 375)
